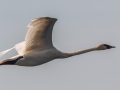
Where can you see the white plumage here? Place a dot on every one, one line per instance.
(38, 47)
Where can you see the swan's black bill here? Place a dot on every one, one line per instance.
(108, 46)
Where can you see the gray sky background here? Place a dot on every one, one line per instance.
(81, 24)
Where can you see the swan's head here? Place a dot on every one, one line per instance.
(104, 47)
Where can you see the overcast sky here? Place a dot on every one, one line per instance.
(81, 24)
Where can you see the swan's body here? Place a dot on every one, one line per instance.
(40, 57)
(38, 48)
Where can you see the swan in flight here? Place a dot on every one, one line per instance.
(38, 49)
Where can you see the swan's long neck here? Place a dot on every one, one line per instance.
(80, 52)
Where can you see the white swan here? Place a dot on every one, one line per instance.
(38, 48)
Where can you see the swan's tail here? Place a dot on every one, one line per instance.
(11, 61)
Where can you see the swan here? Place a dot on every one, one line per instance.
(38, 48)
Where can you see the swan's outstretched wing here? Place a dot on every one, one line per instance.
(39, 35)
